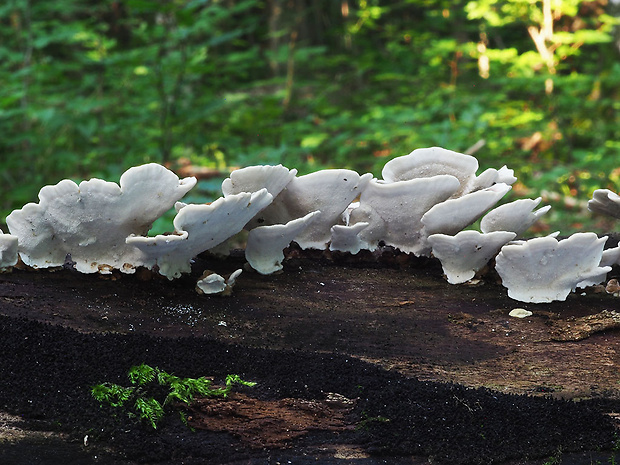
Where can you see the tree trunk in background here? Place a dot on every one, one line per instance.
(275, 37)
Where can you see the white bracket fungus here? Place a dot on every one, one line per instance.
(8, 251)
(453, 215)
(393, 211)
(197, 229)
(423, 203)
(492, 176)
(606, 202)
(329, 191)
(90, 221)
(544, 269)
(265, 244)
(433, 161)
(255, 178)
(611, 257)
(467, 252)
(346, 238)
(213, 283)
(515, 216)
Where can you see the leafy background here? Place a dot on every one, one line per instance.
(89, 88)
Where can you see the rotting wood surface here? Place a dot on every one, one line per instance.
(396, 312)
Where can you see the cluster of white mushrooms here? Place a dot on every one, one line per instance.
(422, 205)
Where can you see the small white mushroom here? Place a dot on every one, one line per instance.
(330, 191)
(606, 202)
(8, 251)
(199, 228)
(467, 252)
(213, 283)
(394, 211)
(90, 221)
(346, 238)
(544, 269)
(265, 244)
(515, 216)
(519, 313)
(453, 215)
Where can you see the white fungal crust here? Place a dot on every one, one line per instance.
(605, 202)
(255, 178)
(265, 244)
(453, 215)
(544, 269)
(467, 252)
(8, 251)
(394, 211)
(329, 191)
(517, 216)
(199, 228)
(90, 221)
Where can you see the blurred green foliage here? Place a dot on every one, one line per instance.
(92, 87)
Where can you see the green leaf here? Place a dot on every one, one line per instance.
(150, 410)
(141, 374)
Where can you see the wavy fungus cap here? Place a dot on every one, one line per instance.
(517, 216)
(453, 215)
(213, 283)
(393, 211)
(91, 221)
(606, 202)
(467, 252)
(434, 161)
(254, 178)
(329, 191)
(8, 250)
(199, 228)
(265, 245)
(544, 269)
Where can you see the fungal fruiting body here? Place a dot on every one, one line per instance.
(265, 245)
(327, 191)
(467, 252)
(199, 228)
(8, 251)
(213, 283)
(393, 211)
(544, 269)
(606, 202)
(422, 206)
(517, 216)
(90, 221)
